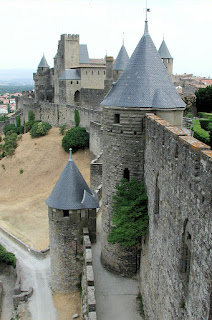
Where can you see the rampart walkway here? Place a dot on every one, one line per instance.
(115, 295)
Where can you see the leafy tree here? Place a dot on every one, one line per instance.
(204, 99)
(7, 257)
(129, 214)
(76, 118)
(40, 129)
(20, 128)
(31, 119)
(75, 138)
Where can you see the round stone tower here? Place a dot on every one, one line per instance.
(143, 86)
(71, 206)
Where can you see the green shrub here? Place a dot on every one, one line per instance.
(21, 171)
(76, 118)
(189, 115)
(129, 214)
(10, 143)
(31, 119)
(40, 129)
(75, 138)
(200, 133)
(62, 129)
(0, 138)
(205, 115)
(140, 305)
(31, 116)
(204, 124)
(7, 257)
(9, 128)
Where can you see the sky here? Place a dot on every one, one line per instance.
(29, 28)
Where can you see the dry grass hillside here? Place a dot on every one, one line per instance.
(23, 211)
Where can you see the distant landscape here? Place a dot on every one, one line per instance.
(16, 80)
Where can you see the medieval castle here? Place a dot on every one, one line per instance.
(135, 131)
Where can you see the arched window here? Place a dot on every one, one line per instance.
(77, 96)
(126, 174)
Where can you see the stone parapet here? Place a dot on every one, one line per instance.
(88, 300)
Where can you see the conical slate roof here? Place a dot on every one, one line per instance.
(121, 60)
(164, 51)
(43, 63)
(71, 192)
(144, 83)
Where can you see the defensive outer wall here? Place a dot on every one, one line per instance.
(176, 258)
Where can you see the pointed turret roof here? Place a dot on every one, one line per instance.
(164, 51)
(121, 60)
(71, 192)
(43, 63)
(144, 83)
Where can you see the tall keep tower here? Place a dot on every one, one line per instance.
(166, 57)
(144, 85)
(71, 206)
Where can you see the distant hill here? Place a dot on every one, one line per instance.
(16, 76)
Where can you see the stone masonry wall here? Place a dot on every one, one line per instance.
(96, 139)
(175, 274)
(96, 172)
(56, 114)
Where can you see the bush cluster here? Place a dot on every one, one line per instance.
(205, 115)
(75, 138)
(7, 257)
(40, 129)
(200, 133)
(10, 143)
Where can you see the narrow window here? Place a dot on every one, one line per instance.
(65, 213)
(104, 72)
(176, 151)
(92, 72)
(86, 72)
(210, 308)
(186, 255)
(126, 174)
(98, 72)
(77, 82)
(116, 118)
(157, 197)
(71, 82)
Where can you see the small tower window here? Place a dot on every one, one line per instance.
(104, 72)
(86, 72)
(65, 213)
(98, 72)
(116, 118)
(71, 82)
(77, 82)
(157, 197)
(126, 174)
(92, 72)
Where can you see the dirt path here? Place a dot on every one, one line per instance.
(23, 211)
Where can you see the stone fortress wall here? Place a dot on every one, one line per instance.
(175, 270)
(58, 114)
